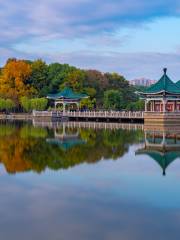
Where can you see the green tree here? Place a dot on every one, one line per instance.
(26, 104)
(2, 104)
(6, 104)
(136, 106)
(113, 99)
(88, 103)
(56, 74)
(75, 80)
(98, 81)
(91, 92)
(116, 81)
(39, 104)
(39, 77)
(9, 105)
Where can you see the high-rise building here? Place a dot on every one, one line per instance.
(142, 82)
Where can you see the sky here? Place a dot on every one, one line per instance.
(136, 38)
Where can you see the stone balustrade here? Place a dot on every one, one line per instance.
(105, 114)
(91, 114)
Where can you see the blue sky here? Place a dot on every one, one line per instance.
(136, 38)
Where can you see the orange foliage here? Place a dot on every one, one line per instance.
(12, 155)
(14, 80)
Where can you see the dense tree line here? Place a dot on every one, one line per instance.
(22, 81)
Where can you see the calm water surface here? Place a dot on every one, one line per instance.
(72, 182)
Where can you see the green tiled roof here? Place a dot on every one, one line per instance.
(67, 93)
(178, 84)
(165, 84)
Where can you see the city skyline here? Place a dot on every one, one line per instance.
(134, 38)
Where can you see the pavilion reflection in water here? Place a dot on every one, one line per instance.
(161, 145)
(66, 138)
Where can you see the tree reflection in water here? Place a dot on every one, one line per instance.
(24, 147)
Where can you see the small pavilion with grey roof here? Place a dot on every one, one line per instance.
(67, 97)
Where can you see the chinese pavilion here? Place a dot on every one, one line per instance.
(67, 97)
(162, 101)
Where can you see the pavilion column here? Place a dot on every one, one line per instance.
(146, 105)
(150, 106)
(175, 106)
(77, 106)
(64, 107)
(55, 105)
(164, 105)
(153, 105)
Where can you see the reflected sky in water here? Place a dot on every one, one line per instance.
(104, 191)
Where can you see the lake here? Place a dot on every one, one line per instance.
(88, 181)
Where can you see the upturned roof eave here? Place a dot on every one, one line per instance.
(66, 98)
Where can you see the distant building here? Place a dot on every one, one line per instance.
(142, 82)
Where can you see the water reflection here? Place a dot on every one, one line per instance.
(66, 138)
(163, 145)
(24, 147)
(123, 199)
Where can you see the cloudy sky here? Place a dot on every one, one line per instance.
(136, 38)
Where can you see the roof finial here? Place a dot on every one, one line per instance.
(165, 70)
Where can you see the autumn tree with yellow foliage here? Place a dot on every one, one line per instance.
(14, 80)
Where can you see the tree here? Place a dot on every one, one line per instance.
(91, 92)
(56, 74)
(136, 106)
(113, 99)
(39, 104)
(6, 104)
(75, 80)
(2, 104)
(98, 81)
(9, 105)
(26, 104)
(14, 81)
(88, 103)
(116, 81)
(39, 77)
